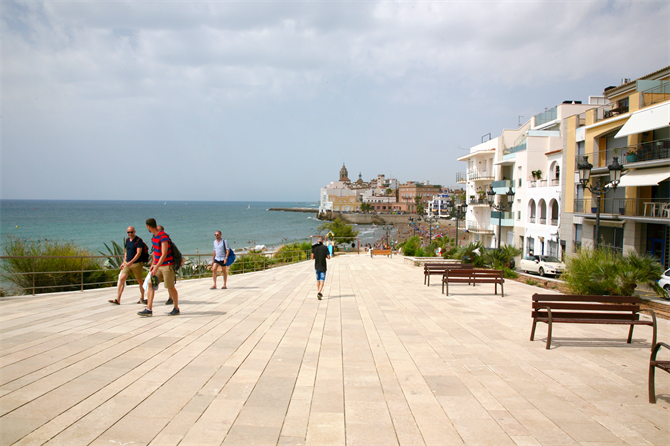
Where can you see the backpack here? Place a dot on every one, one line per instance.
(144, 257)
(176, 256)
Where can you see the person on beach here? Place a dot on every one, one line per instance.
(131, 263)
(319, 254)
(162, 268)
(221, 259)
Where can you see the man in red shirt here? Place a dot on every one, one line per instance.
(162, 268)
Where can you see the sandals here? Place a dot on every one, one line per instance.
(115, 302)
(213, 288)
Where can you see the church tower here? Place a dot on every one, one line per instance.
(344, 174)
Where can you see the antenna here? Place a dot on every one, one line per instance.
(520, 120)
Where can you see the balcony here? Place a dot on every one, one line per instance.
(461, 177)
(649, 208)
(643, 152)
(476, 228)
(478, 202)
(506, 218)
(544, 117)
(660, 92)
(476, 174)
(511, 152)
(501, 187)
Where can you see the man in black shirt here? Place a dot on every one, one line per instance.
(320, 253)
(131, 264)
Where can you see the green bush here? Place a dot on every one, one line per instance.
(49, 275)
(411, 246)
(254, 261)
(606, 272)
(293, 253)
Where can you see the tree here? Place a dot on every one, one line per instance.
(342, 232)
(389, 191)
(419, 205)
(366, 207)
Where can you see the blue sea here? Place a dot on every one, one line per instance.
(190, 224)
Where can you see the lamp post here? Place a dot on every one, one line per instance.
(500, 207)
(600, 189)
(430, 219)
(457, 211)
(413, 222)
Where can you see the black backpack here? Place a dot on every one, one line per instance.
(144, 257)
(176, 256)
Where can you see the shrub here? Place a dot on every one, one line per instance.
(49, 275)
(411, 246)
(254, 261)
(606, 272)
(293, 253)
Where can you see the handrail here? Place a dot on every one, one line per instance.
(246, 262)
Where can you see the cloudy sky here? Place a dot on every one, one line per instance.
(264, 100)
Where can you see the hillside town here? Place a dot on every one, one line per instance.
(581, 173)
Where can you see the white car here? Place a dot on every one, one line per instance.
(542, 265)
(664, 283)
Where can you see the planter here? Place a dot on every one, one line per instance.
(594, 210)
(631, 158)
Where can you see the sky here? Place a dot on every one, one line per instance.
(265, 100)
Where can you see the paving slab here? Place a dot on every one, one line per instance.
(382, 359)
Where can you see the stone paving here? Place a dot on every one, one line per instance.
(382, 360)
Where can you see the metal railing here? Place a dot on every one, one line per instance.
(654, 95)
(91, 273)
(478, 229)
(461, 177)
(476, 174)
(630, 207)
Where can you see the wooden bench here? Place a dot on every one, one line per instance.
(653, 364)
(474, 276)
(438, 268)
(619, 310)
(381, 252)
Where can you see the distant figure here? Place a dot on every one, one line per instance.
(222, 258)
(162, 269)
(319, 254)
(131, 263)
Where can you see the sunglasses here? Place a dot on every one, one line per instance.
(130, 232)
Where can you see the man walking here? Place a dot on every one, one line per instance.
(131, 263)
(221, 259)
(162, 268)
(320, 253)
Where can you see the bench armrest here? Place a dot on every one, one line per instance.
(653, 321)
(656, 349)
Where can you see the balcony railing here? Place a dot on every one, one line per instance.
(656, 94)
(554, 221)
(555, 182)
(475, 174)
(531, 220)
(628, 207)
(609, 111)
(542, 221)
(461, 177)
(546, 116)
(502, 215)
(502, 183)
(515, 149)
(478, 202)
(646, 151)
(479, 229)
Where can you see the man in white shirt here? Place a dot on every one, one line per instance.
(220, 259)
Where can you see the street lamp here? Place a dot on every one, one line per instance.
(430, 219)
(457, 211)
(413, 222)
(600, 189)
(500, 207)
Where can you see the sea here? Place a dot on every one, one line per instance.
(190, 224)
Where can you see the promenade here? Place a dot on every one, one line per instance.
(382, 360)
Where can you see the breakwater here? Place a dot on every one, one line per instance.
(305, 210)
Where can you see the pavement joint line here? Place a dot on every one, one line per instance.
(378, 327)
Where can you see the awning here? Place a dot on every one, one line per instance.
(644, 177)
(651, 118)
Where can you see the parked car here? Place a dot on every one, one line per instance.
(542, 265)
(664, 283)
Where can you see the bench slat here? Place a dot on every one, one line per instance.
(572, 298)
(587, 306)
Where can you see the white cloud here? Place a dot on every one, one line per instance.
(182, 65)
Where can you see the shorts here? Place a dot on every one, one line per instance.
(136, 269)
(165, 274)
(219, 262)
(320, 276)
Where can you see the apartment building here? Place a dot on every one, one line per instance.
(528, 162)
(634, 128)
(408, 192)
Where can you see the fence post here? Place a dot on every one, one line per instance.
(82, 274)
(33, 276)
